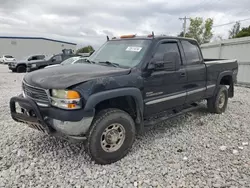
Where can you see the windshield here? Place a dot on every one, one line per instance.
(69, 60)
(8, 56)
(125, 53)
(80, 60)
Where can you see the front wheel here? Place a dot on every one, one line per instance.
(111, 136)
(21, 69)
(218, 103)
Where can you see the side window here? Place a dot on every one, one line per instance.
(165, 48)
(192, 52)
(35, 58)
(41, 57)
(57, 58)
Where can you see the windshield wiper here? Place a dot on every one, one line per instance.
(109, 63)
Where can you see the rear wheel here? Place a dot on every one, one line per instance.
(111, 136)
(218, 103)
(21, 68)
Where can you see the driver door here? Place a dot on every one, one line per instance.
(165, 89)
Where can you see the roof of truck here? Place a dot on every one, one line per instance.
(150, 37)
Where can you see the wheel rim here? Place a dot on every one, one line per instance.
(113, 137)
(222, 100)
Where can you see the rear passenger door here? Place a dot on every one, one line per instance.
(196, 71)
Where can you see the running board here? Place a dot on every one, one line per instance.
(148, 123)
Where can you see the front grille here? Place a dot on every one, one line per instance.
(37, 94)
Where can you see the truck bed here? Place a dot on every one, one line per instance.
(216, 67)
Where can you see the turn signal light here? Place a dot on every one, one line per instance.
(71, 106)
(72, 95)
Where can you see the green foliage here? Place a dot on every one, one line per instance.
(200, 30)
(244, 32)
(86, 49)
(235, 30)
(207, 35)
(181, 34)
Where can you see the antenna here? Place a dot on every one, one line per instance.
(153, 35)
(107, 38)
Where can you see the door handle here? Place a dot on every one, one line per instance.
(182, 74)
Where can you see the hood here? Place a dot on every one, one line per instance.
(52, 66)
(62, 77)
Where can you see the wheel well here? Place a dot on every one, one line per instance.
(21, 65)
(228, 80)
(125, 103)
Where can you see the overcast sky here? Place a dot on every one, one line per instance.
(89, 21)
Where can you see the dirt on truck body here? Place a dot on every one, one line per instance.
(106, 101)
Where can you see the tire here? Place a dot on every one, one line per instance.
(105, 123)
(21, 68)
(218, 103)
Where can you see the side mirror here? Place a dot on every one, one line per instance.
(156, 65)
(169, 62)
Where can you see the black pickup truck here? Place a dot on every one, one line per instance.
(115, 94)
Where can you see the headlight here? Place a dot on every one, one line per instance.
(33, 65)
(65, 99)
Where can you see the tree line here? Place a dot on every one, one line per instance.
(199, 29)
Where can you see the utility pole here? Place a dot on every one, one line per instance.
(184, 25)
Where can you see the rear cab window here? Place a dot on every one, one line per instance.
(192, 52)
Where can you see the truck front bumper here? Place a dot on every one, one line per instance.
(31, 115)
(12, 66)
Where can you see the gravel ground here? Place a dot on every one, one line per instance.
(197, 149)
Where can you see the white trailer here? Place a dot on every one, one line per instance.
(238, 48)
(21, 47)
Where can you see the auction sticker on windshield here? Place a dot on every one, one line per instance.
(133, 49)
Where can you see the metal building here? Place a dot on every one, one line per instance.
(238, 48)
(20, 47)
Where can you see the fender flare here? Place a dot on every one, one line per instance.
(96, 98)
(231, 88)
(222, 74)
